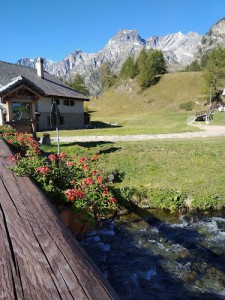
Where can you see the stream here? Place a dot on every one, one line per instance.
(152, 254)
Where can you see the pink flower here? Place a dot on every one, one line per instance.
(62, 155)
(12, 158)
(72, 194)
(105, 192)
(83, 159)
(88, 180)
(69, 163)
(100, 179)
(52, 157)
(79, 194)
(43, 170)
(95, 157)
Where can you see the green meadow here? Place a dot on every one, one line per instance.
(165, 173)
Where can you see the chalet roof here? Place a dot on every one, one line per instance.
(12, 75)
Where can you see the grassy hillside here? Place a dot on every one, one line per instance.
(167, 95)
(155, 110)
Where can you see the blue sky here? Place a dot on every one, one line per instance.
(55, 28)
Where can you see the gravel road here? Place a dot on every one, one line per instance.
(208, 131)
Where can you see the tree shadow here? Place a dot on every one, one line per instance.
(100, 124)
(89, 145)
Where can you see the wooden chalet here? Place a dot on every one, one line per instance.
(28, 93)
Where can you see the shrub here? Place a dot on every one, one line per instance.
(65, 179)
(188, 106)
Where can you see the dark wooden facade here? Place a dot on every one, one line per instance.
(40, 258)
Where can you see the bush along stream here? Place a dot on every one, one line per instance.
(145, 253)
(69, 181)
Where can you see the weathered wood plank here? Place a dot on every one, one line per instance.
(40, 258)
(81, 254)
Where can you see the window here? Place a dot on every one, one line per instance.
(66, 102)
(69, 102)
(48, 120)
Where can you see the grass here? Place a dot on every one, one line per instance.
(218, 118)
(166, 95)
(159, 170)
(155, 110)
(190, 166)
(149, 123)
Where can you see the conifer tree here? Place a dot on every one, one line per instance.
(215, 69)
(193, 67)
(150, 64)
(78, 84)
(128, 69)
(108, 78)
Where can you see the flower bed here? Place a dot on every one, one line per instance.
(67, 180)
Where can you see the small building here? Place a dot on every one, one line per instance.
(27, 94)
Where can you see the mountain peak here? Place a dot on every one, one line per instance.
(215, 36)
(127, 36)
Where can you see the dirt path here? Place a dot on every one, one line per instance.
(208, 131)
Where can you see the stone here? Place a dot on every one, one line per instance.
(46, 140)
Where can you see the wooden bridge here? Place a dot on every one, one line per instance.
(40, 258)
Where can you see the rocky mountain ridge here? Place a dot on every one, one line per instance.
(179, 50)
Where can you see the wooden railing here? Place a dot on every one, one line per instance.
(40, 258)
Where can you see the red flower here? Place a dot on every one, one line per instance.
(95, 157)
(12, 158)
(52, 157)
(88, 180)
(43, 170)
(100, 179)
(69, 163)
(62, 155)
(112, 200)
(105, 192)
(83, 159)
(72, 194)
(79, 194)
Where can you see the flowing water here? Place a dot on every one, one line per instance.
(157, 255)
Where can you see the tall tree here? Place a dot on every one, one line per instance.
(193, 67)
(214, 71)
(78, 84)
(128, 70)
(150, 64)
(159, 63)
(108, 78)
(141, 60)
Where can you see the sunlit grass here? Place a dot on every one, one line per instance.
(184, 165)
